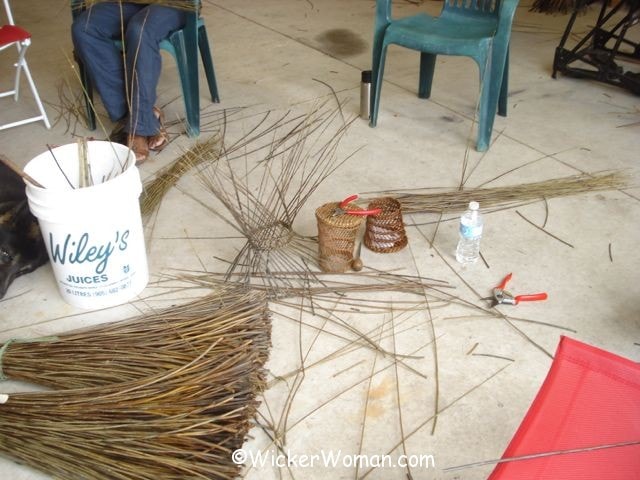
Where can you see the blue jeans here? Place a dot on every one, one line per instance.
(130, 91)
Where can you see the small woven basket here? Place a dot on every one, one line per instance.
(385, 231)
(337, 237)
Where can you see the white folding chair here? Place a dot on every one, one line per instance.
(10, 35)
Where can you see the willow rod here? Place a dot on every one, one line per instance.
(146, 344)
(456, 201)
(177, 425)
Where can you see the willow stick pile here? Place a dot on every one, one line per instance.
(225, 321)
(456, 201)
(154, 190)
(177, 425)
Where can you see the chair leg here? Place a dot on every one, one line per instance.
(188, 81)
(22, 66)
(22, 51)
(376, 87)
(427, 67)
(490, 90)
(485, 125)
(504, 89)
(36, 97)
(377, 74)
(484, 130)
(191, 40)
(207, 62)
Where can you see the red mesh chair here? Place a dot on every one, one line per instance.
(11, 35)
(583, 424)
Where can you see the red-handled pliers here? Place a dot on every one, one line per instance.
(501, 296)
(341, 209)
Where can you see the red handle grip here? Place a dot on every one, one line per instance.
(530, 298)
(505, 280)
(347, 201)
(351, 198)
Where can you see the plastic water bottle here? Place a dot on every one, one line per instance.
(471, 224)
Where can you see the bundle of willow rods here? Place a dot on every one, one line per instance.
(457, 201)
(154, 190)
(122, 351)
(177, 425)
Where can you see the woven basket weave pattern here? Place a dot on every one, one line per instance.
(385, 231)
(336, 237)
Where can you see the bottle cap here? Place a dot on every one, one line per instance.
(474, 205)
(366, 76)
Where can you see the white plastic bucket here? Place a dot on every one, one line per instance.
(94, 234)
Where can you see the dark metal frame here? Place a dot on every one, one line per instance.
(593, 50)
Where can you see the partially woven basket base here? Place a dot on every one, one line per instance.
(271, 237)
(385, 231)
(336, 237)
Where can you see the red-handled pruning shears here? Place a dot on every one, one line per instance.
(341, 209)
(501, 296)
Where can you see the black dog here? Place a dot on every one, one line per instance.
(22, 249)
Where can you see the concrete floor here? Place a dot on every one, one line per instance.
(281, 55)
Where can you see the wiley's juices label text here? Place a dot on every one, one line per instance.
(81, 250)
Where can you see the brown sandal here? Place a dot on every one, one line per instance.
(139, 145)
(158, 141)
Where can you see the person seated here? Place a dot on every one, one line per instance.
(127, 85)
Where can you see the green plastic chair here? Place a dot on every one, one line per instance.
(183, 45)
(479, 29)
